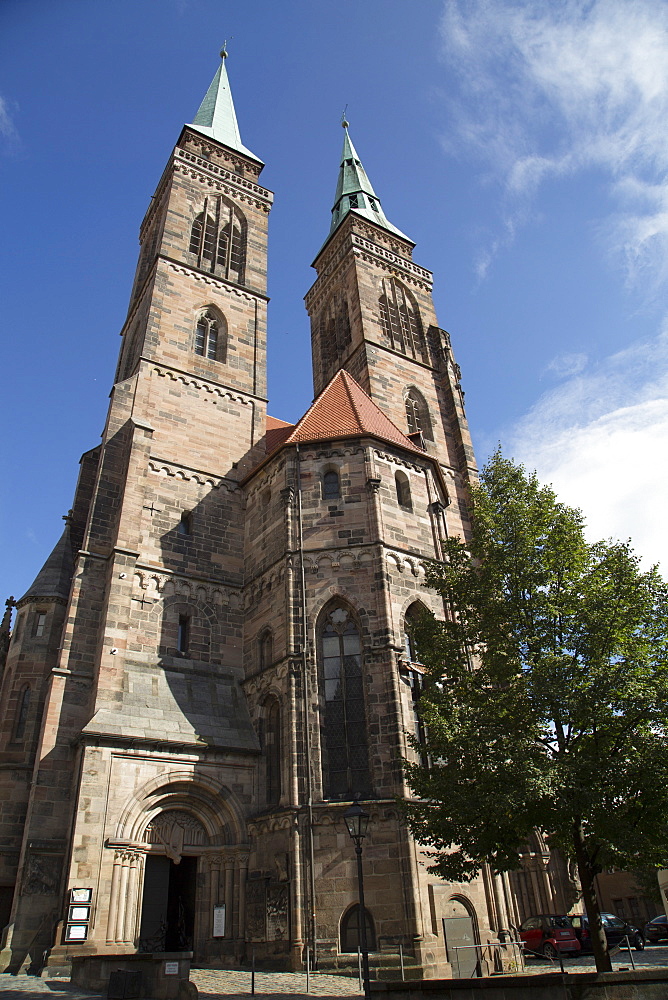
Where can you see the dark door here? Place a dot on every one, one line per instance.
(168, 905)
(6, 898)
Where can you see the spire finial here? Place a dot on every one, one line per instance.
(223, 51)
(344, 120)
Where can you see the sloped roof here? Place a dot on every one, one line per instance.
(55, 577)
(343, 408)
(277, 431)
(355, 193)
(216, 116)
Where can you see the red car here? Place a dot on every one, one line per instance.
(548, 934)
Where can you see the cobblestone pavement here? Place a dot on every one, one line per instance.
(235, 984)
(211, 983)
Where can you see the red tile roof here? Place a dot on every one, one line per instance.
(343, 408)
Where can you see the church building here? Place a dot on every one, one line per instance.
(216, 659)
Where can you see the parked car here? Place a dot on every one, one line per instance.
(548, 934)
(657, 929)
(615, 929)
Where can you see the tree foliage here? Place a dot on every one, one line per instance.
(547, 704)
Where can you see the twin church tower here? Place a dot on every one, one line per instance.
(216, 659)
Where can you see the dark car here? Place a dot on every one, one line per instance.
(548, 934)
(657, 929)
(615, 928)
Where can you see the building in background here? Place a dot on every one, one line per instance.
(216, 659)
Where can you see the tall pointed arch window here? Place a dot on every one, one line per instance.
(403, 488)
(417, 414)
(210, 337)
(345, 749)
(218, 239)
(416, 675)
(400, 320)
(272, 751)
(22, 714)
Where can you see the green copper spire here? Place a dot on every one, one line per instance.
(216, 116)
(354, 192)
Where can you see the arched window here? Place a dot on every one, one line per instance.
(416, 675)
(403, 491)
(220, 245)
(350, 930)
(344, 738)
(211, 336)
(266, 649)
(185, 525)
(400, 319)
(272, 752)
(331, 488)
(22, 713)
(332, 326)
(417, 415)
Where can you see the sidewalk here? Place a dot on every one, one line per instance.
(211, 983)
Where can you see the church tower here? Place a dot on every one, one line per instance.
(123, 682)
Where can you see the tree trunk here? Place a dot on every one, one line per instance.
(598, 939)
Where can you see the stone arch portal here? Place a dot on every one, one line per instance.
(179, 869)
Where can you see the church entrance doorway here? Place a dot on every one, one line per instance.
(168, 904)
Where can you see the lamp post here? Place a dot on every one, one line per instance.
(357, 821)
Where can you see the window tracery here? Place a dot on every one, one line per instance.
(218, 240)
(344, 737)
(400, 320)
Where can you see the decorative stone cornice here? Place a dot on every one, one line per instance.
(240, 186)
(213, 280)
(171, 469)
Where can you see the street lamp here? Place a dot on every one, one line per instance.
(357, 821)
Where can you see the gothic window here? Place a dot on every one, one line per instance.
(218, 239)
(400, 320)
(40, 623)
(266, 649)
(331, 488)
(416, 675)
(417, 415)
(350, 940)
(183, 634)
(403, 491)
(271, 746)
(344, 736)
(210, 340)
(22, 714)
(333, 329)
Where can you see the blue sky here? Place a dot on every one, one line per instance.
(523, 146)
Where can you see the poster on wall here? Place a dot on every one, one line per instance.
(219, 921)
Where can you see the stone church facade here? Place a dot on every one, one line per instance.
(216, 659)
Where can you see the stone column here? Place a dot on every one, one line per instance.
(243, 873)
(230, 902)
(130, 922)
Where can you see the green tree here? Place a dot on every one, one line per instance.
(547, 702)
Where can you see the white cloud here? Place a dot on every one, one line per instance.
(551, 88)
(601, 439)
(565, 365)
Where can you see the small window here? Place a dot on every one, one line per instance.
(266, 650)
(206, 337)
(354, 201)
(185, 526)
(272, 750)
(183, 636)
(403, 491)
(373, 204)
(40, 623)
(22, 714)
(331, 489)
